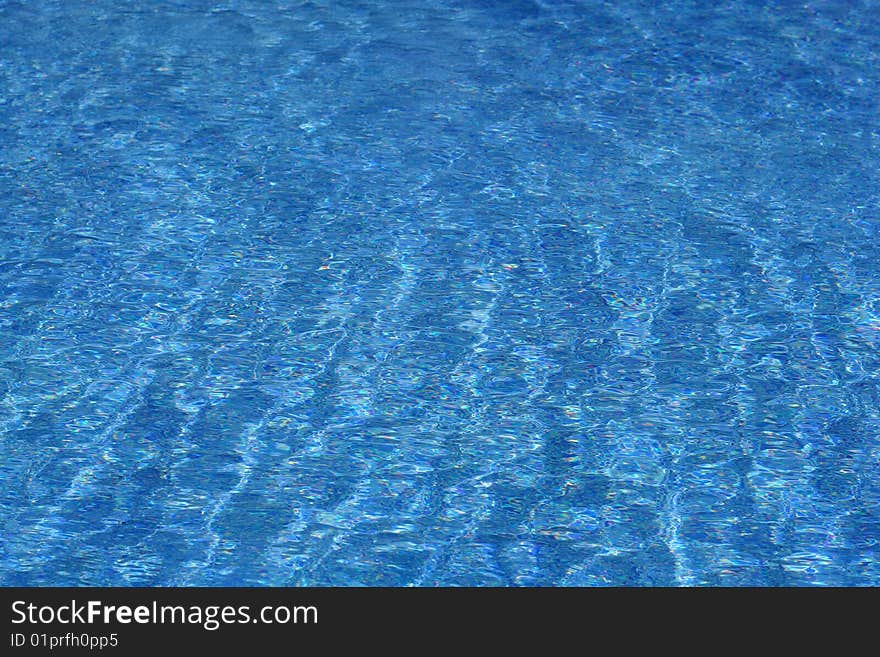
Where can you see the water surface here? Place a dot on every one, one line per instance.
(447, 292)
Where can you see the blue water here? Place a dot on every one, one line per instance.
(439, 292)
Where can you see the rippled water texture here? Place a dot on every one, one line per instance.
(449, 292)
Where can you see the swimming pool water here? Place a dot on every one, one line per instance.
(439, 292)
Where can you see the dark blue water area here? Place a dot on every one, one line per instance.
(447, 292)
